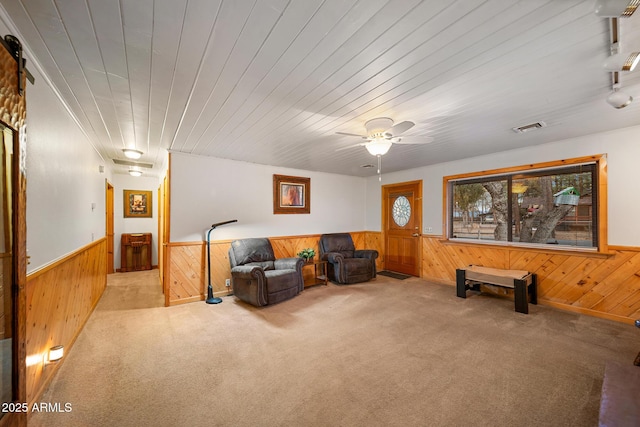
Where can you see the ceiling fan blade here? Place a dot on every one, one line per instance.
(351, 134)
(362, 144)
(400, 127)
(413, 140)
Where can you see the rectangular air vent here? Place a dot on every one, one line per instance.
(529, 127)
(130, 163)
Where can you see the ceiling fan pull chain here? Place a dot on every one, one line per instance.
(379, 167)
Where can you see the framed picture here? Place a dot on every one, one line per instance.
(137, 204)
(291, 195)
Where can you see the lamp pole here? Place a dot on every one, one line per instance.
(210, 298)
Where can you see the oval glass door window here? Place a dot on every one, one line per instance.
(401, 211)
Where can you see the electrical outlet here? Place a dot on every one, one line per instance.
(227, 283)
(428, 229)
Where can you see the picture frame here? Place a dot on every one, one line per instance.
(291, 195)
(137, 204)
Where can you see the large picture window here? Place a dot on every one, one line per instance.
(552, 204)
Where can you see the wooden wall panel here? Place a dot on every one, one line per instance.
(220, 268)
(60, 299)
(372, 240)
(602, 285)
(186, 274)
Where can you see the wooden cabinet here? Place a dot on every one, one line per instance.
(136, 252)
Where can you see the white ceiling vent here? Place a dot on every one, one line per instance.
(130, 163)
(529, 127)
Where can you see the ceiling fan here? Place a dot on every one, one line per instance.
(382, 133)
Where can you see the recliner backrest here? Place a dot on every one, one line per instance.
(252, 251)
(337, 242)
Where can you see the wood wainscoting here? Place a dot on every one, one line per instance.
(185, 278)
(600, 285)
(606, 286)
(60, 299)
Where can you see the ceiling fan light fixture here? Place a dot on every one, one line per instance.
(378, 147)
(378, 126)
(131, 153)
(616, 8)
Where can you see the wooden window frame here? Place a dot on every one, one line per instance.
(600, 210)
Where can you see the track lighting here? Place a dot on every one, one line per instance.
(616, 8)
(131, 153)
(622, 61)
(618, 99)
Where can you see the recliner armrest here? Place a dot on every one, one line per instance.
(333, 257)
(248, 272)
(288, 264)
(366, 253)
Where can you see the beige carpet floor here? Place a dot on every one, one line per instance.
(383, 353)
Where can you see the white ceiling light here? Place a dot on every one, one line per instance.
(378, 146)
(618, 99)
(134, 172)
(616, 8)
(131, 153)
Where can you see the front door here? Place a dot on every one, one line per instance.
(402, 221)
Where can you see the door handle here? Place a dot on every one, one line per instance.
(415, 235)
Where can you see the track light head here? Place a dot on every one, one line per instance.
(619, 99)
(622, 61)
(616, 8)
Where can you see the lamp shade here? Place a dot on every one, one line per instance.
(378, 147)
(616, 8)
(619, 100)
(622, 61)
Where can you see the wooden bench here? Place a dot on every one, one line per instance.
(619, 401)
(522, 282)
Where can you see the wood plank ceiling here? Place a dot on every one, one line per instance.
(272, 81)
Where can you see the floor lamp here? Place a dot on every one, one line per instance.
(210, 298)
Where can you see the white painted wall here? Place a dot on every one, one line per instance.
(122, 225)
(622, 149)
(65, 190)
(205, 190)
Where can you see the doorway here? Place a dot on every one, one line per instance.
(402, 222)
(109, 231)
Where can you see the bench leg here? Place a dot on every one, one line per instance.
(461, 286)
(533, 289)
(520, 293)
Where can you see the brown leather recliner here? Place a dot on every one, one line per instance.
(345, 263)
(258, 277)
